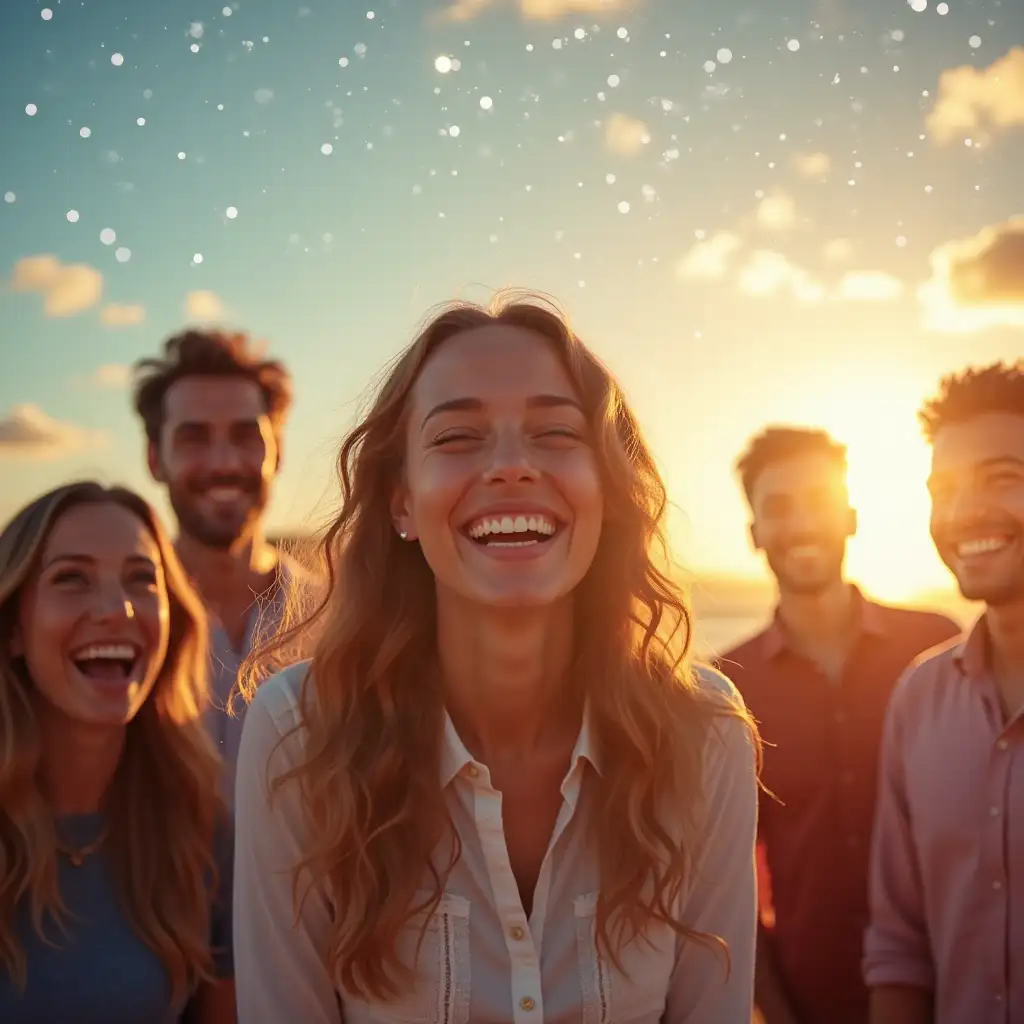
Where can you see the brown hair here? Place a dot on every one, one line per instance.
(163, 804)
(774, 444)
(998, 387)
(373, 704)
(198, 353)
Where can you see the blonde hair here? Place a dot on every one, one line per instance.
(372, 701)
(163, 804)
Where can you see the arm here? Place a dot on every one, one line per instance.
(898, 966)
(705, 988)
(278, 958)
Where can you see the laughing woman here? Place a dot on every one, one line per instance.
(499, 791)
(115, 851)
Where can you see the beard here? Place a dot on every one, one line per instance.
(808, 580)
(223, 531)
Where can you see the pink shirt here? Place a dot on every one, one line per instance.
(947, 871)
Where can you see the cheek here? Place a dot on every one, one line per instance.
(435, 489)
(45, 644)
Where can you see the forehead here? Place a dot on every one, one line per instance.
(797, 474)
(103, 532)
(213, 400)
(997, 435)
(497, 364)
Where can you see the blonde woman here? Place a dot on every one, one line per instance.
(115, 867)
(499, 791)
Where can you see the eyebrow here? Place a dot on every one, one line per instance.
(80, 559)
(990, 463)
(476, 405)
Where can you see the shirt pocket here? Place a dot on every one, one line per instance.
(440, 993)
(638, 993)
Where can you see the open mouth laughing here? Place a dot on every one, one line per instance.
(504, 531)
(108, 664)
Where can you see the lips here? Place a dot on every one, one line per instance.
(971, 548)
(506, 529)
(109, 662)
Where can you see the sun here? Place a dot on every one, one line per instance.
(892, 554)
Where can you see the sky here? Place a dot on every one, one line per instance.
(801, 212)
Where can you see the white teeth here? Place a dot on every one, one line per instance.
(223, 493)
(509, 524)
(980, 546)
(112, 652)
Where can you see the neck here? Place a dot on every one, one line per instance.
(78, 763)
(224, 575)
(1005, 624)
(505, 678)
(819, 620)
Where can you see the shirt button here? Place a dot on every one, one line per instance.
(526, 1003)
(473, 771)
(517, 933)
(1002, 744)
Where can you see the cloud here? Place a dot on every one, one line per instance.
(869, 286)
(768, 273)
(203, 306)
(977, 282)
(709, 258)
(776, 213)
(535, 10)
(838, 250)
(27, 432)
(67, 289)
(812, 165)
(112, 375)
(117, 315)
(625, 135)
(971, 100)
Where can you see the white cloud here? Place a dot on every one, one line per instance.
(28, 432)
(812, 165)
(203, 305)
(776, 213)
(838, 250)
(112, 375)
(869, 286)
(535, 10)
(117, 315)
(67, 289)
(625, 135)
(971, 101)
(710, 257)
(767, 273)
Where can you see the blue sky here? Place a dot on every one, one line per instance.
(738, 204)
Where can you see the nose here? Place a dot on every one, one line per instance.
(510, 460)
(112, 604)
(224, 457)
(964, 505)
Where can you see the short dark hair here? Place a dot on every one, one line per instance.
(776, 443)
(998, 387)
(208, 353)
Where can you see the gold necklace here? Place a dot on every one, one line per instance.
(76, 854)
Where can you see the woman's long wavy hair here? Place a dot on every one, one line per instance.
(163, 804)
(373, 711)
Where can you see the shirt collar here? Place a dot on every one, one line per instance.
(455, 758)
(871, 616)
(971, 654)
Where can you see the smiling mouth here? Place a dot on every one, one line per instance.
(980, 547)
(519, 531)
(107, 663)
(224, 494)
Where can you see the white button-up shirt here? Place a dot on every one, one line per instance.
(483, 959)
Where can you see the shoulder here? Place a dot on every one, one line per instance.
(924, 679)
(732, 736)
(926, 629)
(742, 662)
(275, 715)
(715, 685)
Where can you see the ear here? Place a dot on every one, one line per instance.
(401, 514)
(153, 462)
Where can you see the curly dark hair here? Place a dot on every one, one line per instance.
(208, 353)
(998, 387)
(776, 443)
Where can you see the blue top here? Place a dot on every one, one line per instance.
(101, 972)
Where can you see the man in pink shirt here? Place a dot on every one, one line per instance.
(946, 939)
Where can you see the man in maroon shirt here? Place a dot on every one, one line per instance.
(818, 680)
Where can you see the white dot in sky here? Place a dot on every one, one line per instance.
(724, 55)
(556, 44)
(793, 45)
(226, 11)
(343, 62)
(327, 149)
(709, 66)
(197, 258)
(454, 131)
(9, 197)
(918, 5)
(195, 30)
(231, 212)
(85, 132)
(116, 59)
(359, 49)
(529, 47)
(370, 15)
(194, 47)
(108, 236)
(443, 64)
(486, 102)
(901, 240)
(181, 156)
(897, 35)
(46, 14)
(613, 80)
(123, 254)
(580, 33)
(974, 42)
(140, 121)
(72, 216)
(610, 179)
(942, 9)
(622, 33)
(623, 206)
(31, 109)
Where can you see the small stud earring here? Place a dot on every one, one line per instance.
(404, 535)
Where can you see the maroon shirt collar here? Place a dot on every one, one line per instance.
(971, 654)
(775, 640)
